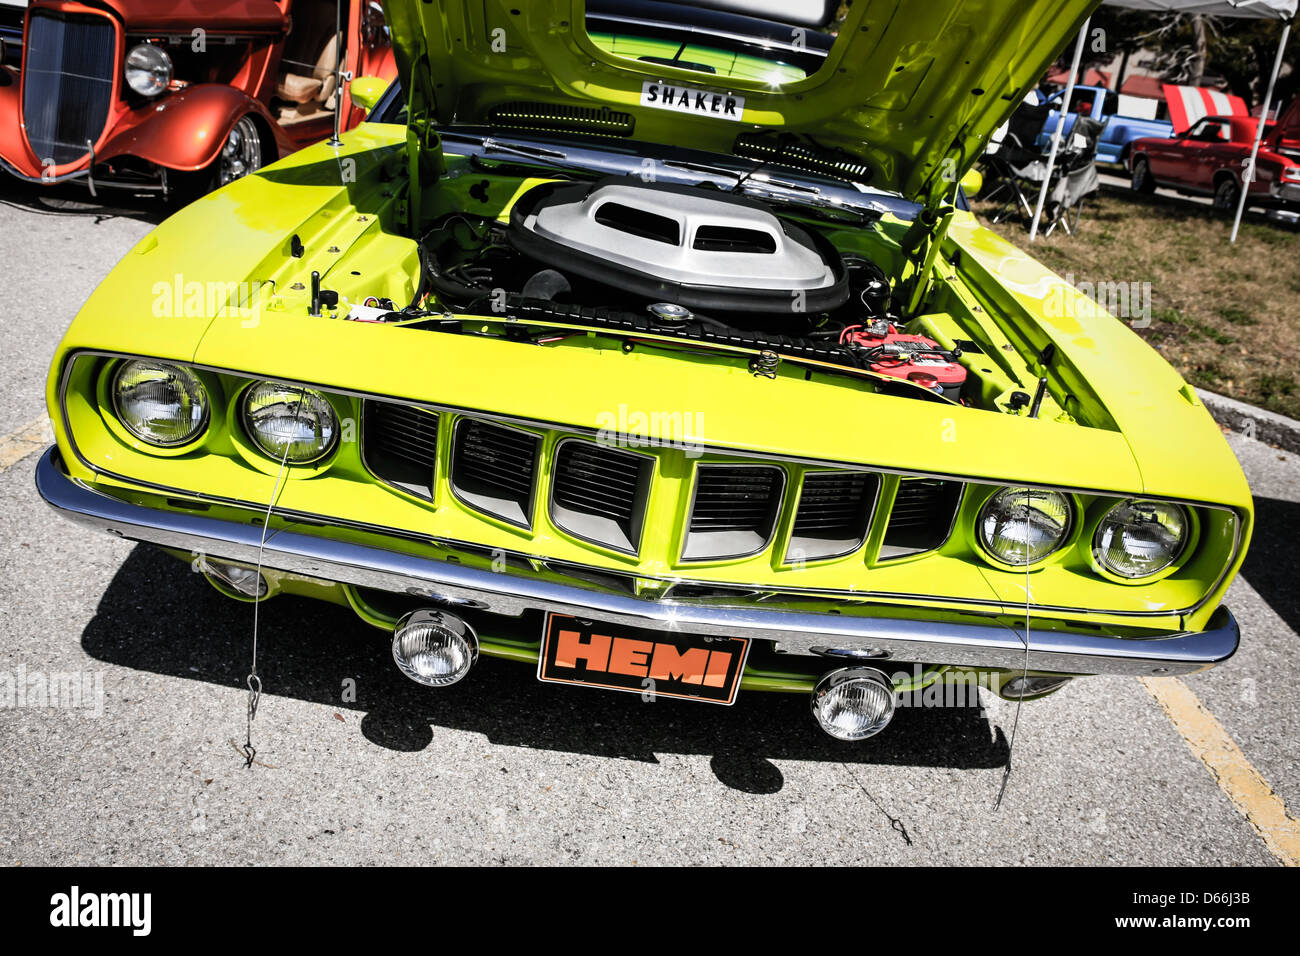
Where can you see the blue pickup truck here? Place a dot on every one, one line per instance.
(1105, 105)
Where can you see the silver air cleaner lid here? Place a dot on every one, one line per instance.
(698, 248)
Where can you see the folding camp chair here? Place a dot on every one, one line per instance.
(1075, 177)
(1018, 162)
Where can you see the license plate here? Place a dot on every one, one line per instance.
(641, 661)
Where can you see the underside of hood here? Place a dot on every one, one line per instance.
(903, 94)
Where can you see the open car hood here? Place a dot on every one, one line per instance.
(902, 95)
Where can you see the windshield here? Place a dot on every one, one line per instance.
(706, 41)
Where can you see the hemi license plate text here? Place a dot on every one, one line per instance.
(683, 99)
(641, 661)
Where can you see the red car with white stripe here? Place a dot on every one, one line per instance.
(1188, 105)
(1208, 157)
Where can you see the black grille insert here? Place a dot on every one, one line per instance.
(400, 445)
(67, 84)
(922, 516)
(734, 511)
(599, 494)
(831, 520)
(494, 469)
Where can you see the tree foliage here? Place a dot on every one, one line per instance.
(1191, 48)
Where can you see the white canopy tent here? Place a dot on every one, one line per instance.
(1260, 9)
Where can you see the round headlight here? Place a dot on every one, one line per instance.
(290, 422)
(1139, 538)
(1022, 526)
(159, 403)
(148, 69)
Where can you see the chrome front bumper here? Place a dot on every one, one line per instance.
(850, 633)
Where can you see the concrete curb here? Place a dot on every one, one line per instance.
(1268, 427)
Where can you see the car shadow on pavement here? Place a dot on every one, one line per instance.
(159, 617)
(74, 201)
(1269, 567)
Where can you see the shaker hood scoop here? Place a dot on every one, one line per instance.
(904, 94)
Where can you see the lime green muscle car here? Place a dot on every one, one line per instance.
(654, 345)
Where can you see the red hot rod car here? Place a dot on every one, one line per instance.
(180, 97)
(1208, 158)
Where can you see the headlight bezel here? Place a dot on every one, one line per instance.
(112, 411)
(266, 459)
(152, 49)
(1063, 547)
(1105, 506)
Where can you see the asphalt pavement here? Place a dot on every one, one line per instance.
(358, 765)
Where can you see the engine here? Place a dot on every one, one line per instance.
(700, 262)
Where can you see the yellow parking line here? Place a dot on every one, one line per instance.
(1237, 778)
(17, 445)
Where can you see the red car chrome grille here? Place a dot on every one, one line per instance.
(67, 84)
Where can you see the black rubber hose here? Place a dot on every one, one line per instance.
(448, 290)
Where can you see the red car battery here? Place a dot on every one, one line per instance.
(913, 357)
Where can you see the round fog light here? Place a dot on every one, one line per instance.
(244, 582)
(434, 648)
(1022, 686)
(853, 703)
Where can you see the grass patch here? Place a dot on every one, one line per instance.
(1237, 316)
(1279, 392)
(1226, 316)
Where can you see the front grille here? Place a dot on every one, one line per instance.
(67, 84)
(494, 469)
(734, 511)
(599, 494)
(834, 508)
(922, 516)
(400, 445)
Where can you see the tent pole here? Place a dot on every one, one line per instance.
(1248, 174)
(1060, 125)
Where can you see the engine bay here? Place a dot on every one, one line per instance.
(657, 262)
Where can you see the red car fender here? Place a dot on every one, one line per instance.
(12, 146)
(1267, 171)
(1268, 168)
(187, 129)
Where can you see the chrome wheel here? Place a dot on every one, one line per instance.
(242, 152)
